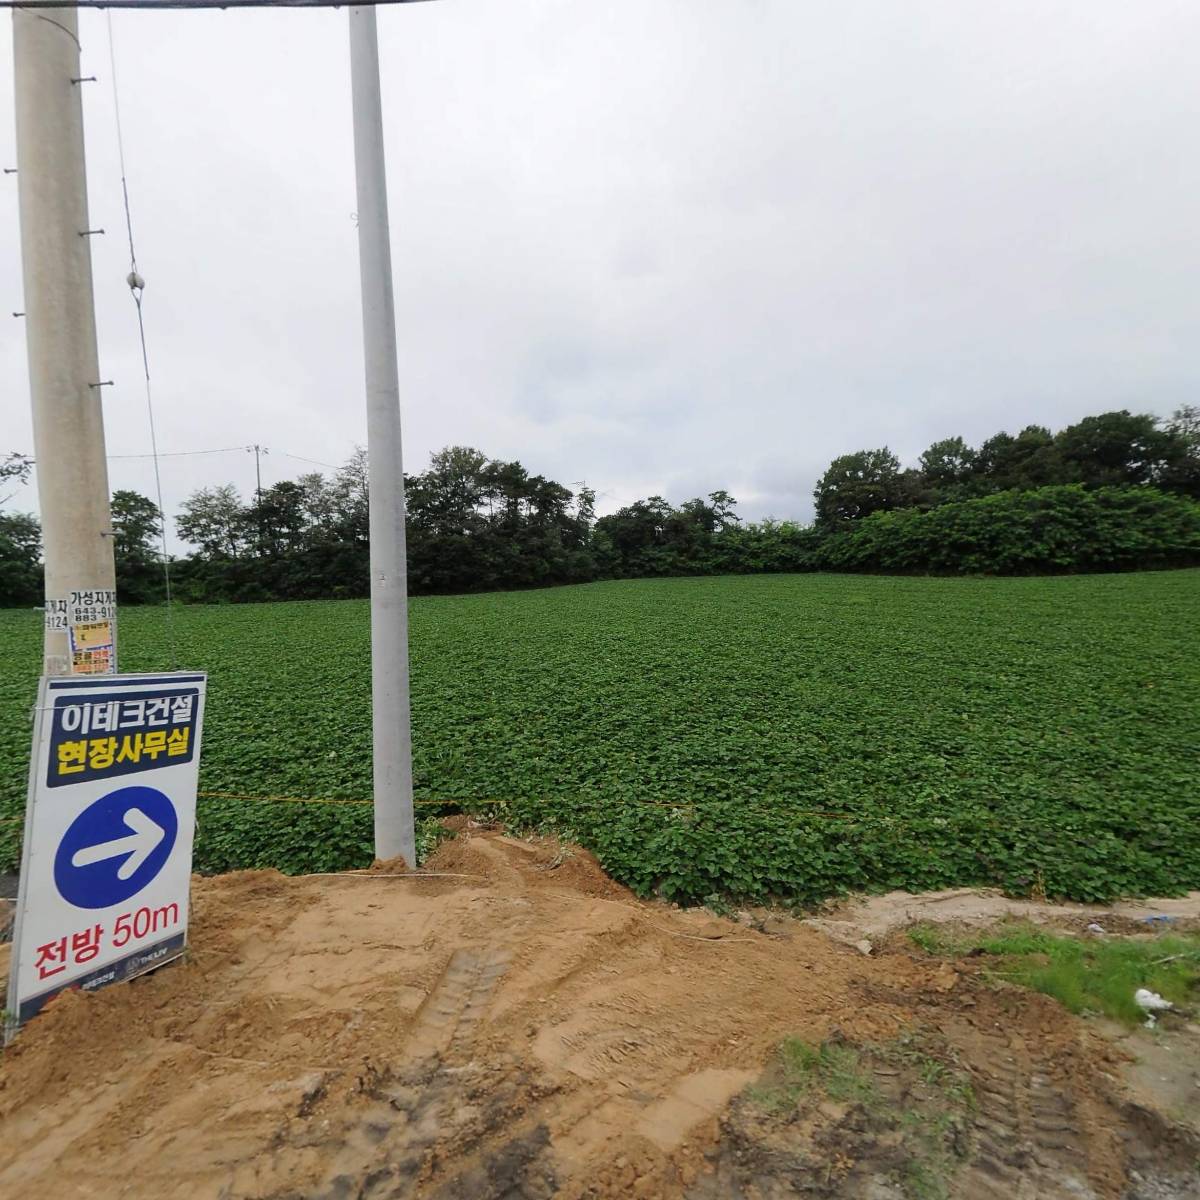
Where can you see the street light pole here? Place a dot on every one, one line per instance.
(391, 731)
(60, 334)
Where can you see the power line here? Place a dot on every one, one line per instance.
(181, 453)
(218, 450)
(136, 288)
(315, 462)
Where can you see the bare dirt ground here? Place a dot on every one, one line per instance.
(874, 918)
(522, 1027)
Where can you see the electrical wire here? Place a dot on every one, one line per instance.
(315, 462)
(136, 287)
(181, 453)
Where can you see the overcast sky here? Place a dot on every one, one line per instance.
(658, 245)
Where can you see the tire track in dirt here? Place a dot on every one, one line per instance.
(389, 1138)
(449, 1017)
(524, 1030)
(1027, 1145)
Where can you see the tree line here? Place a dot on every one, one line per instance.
(1114, 449)
(1117, 490)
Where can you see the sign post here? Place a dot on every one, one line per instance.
(109, 821)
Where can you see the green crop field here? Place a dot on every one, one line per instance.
(788, 736)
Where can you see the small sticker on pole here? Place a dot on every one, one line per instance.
(91, 605)
(56, 615)
(91, 624)
(92, 648)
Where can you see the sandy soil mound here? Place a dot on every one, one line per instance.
(517, 1025)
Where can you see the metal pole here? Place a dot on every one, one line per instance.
(60, 330)
(392, 737)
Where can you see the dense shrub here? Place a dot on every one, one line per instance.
(1050, 530)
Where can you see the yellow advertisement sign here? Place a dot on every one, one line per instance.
(92, 648)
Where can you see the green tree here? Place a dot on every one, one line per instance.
(1181, 472)
(636, 527)
(137, 528)
(1185, 424)
(214, 519)
(20, 560)
(447, 547)
(137, 525)
(1050, 530)
(320, 507)
(947, 467)
(457, 481)
(279, 519)
(350, 499)
(1031, 459)
(1116, 448)
(718, 513)
(585, 509)
(650, 537)
(856, 485)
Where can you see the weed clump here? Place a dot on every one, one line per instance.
(902, 1105)
(1093, 976)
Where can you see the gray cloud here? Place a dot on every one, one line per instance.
(660, 245)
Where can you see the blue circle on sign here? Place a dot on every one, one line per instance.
(115, 847)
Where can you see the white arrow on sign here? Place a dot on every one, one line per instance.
(139, 845)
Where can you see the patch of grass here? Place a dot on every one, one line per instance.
(945, 1079)
(934, 1113)
(1086, 975)
(802, 1068)
(923, 1180)
(931, 938)
(926, 1114)
(836, 1067)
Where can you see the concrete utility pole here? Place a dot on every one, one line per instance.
(257, 451)
(60, 332)
(392, 737)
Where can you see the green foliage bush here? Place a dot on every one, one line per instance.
(1048, 530)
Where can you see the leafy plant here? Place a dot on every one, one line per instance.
(752, 737)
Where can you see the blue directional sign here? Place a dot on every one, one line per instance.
(115, 847)
(106, 860)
